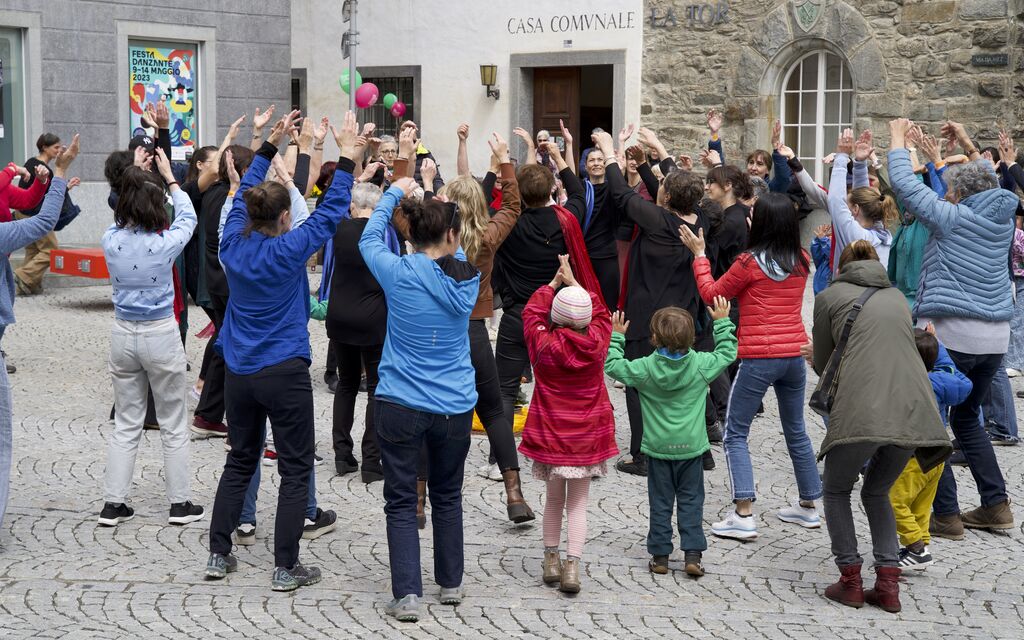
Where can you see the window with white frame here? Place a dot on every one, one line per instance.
(817, 104)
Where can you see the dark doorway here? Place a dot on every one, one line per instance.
(581, 97)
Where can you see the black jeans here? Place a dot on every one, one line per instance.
(607, 272)
(331, 367)
(208, 351)
(489, 405)
(965, 420)
(284, 394)
(211, 402)
(636, 349)
(403, 432)
(510, 357)
(351, 361)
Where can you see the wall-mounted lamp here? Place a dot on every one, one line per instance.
(489, 78)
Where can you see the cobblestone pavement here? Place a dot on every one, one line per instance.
(61, 576)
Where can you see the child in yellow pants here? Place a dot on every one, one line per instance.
(914, 491)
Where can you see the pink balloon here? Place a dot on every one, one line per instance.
(398, 109)
(366, 95)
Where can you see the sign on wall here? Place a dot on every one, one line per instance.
(162, 72)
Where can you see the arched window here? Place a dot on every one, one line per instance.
(817, 103)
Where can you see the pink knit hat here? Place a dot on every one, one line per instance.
(571, 308)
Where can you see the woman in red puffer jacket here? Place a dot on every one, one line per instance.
(769, 279)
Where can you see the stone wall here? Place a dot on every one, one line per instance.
(907, 58)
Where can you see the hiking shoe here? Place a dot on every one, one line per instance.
(346, 465)
(206, 429)
(958, 459)
(707, 461)
(405, 609)
(637, 466)
(371, 474)
(269, 457)
(324, 523)
(114, 514)
(692, 560)
(715, 433)
(184, 513)
(806, 517)
(245, 534)
(1000, 440)
(949, 526)
(10, 367)
(918, 561)
(658, 565)
(291, 579)
(317, 459)
(220, 565)
(736, 527)
(997, 516)
(452, 596)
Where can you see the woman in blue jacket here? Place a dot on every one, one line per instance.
(427, 387)
(265, 344)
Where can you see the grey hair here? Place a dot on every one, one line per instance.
(970, 178)
(759, 186)
(386, 138)
(545, 132)
(365, 195)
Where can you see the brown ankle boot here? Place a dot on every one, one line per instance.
(886, 594)
(850, 588)
(997, 516)
(570, 578)
(518, 510)
(552, 567)
(947, 526)
(421, 504)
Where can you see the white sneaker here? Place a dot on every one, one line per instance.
(1014, 373)
(735, 527)
(803, 516)
(490, 471)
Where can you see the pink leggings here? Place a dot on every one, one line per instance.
(566, 496)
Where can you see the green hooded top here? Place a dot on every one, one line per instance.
(673, 391)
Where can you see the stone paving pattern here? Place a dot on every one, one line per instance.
(63, 577)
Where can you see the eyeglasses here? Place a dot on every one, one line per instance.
(455, 212)
(388, 152)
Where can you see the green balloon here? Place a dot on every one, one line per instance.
(389, 100)
(344, 81)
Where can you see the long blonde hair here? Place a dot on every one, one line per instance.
(467, 193)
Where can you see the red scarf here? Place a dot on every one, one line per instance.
(179, 299)
(496, 198)
(578, 256)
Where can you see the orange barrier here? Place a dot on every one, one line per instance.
(84, 263)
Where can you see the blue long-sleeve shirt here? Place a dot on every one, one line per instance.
(268, 312)
(18, 233)
(951, 387)
(141, 264)
(425, 364)
(820, 250)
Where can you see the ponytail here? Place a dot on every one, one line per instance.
(265, 202)
(429, 221)
(875, 207)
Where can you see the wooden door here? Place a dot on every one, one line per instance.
(556, 96)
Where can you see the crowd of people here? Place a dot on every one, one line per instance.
(683, 286)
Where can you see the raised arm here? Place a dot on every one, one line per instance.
(937, 215)
(211, 171)
(28, 198)
(259, 121)
(632, 373)
(17, 234)
(715, 121)
(502, 223)
(373, 245)
(462, 155)
(861, 152)
(568, 155)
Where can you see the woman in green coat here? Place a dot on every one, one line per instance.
(883, 413)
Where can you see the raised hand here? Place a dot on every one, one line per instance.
(428, 171)
(163, 166)
(930, 149)
(499, 148)
(235, 127)
(898, 129)
(566, 269)
(720, 309)
(306, 135)
(406, 184)
(73, 182)
(626, 133)
(286, 125)
(234, 180)
(822, 230)
(320, 131)
(143, 158)
(619, 323)
(462, 132)
(22, 172)
(163, 116)
(845, 143)
(347, 138)
(1007, 151)
(148, 119)
(715, 121)
(525, 136)
(603, 141)
(369, 171)
(278, 165)
(42, 173)
(565, 133)
(695, 243)
(685, 163)
(408, 141)
(786, 152)
(552, 150)
(636, 154)
(864, 146)
(260, 120)
(710, 158)
(776, 135)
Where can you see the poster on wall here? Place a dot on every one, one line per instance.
(165, 73)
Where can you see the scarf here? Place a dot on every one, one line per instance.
(578, 256)
(588, 186)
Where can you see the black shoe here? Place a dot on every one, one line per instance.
(760, 409)
(708, 460)
(346, 465)
(636, 467)
(715, 433)
(114, 514)
(291, 579)
(371, 474)
(331, 379)
(324, 523)
(1020, 394)
(184, 513)
(958, 459)
(10, 367)
(220, 565)
(692, 562)
(915, 560)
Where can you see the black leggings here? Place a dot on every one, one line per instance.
(489, 407)
(352, 359)
(607, 272)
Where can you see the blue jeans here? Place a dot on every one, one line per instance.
(974, 442)
(252, 491)
(402, 432)
(678, 483)
(789, 377)
(998, 413)
(6, 437)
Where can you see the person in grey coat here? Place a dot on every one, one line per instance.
(884, 412)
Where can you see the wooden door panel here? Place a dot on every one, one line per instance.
(556, 96)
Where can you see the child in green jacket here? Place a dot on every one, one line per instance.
(673, 385)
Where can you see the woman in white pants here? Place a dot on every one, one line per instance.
(145, 345)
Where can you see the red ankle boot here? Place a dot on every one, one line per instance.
(886, 594)
(850, 589)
